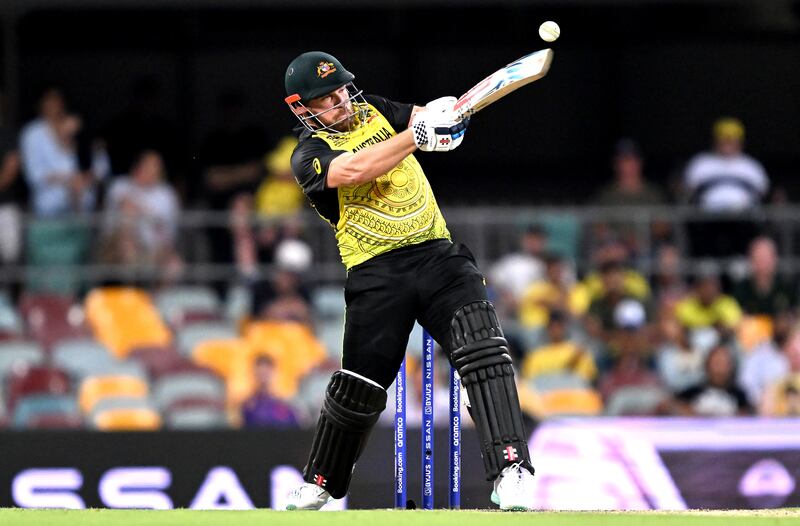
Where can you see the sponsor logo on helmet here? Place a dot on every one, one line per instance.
(325, 68)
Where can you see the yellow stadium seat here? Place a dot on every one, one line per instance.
(563, 402)
(753, 331)
(124, 318)
(96, 388)
(292, 346)
(233, 361)
(128, 419)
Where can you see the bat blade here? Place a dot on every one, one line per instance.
(504, 81)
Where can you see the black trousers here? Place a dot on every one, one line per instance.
(427, 282)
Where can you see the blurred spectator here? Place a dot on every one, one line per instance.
(718, 394)
(615, 255)
(279, 195)
(631, 352)
(59, 183)
(614, 288)
(559, 355)
(679, 364)
(630, 188)
(724, 180)
(762, 367)
(707, 307)
(668, 282)
(12, 190)
(513, 272)
(556, 291)
(232, 169)
(764, 292)
(285, 296)
(142, 126)
(782, 397)
(142, 213)
(263, 409)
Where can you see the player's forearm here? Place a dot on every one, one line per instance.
(372, 162)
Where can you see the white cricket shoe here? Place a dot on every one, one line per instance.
(513, 489)
(308, 497)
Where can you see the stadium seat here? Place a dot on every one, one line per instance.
(200, 417)
(239, 303)
(176, 303)
(10, 320)
(331, 334)
(328, 302)
(4, 409)
(19, 354)
(55, 421)
(753, 331)
(36, 406)
(184, 366)
(559, 402)
(6, 336)
(37, 380)
(96, 388)
(172, 388)
(188, 337)
(231, 360)
(50, 318)
(55, 244)
(83, 357)
(549, 382)
(190, 403)
(157, 360)
(293, 348)
(563, 234)
(127, 419)
(635, 400)
(564, 402)
(311, 392)
(119, 402)
(125, 318)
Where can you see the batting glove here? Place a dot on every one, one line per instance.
(438, 128)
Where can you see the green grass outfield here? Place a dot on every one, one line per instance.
(14, 517)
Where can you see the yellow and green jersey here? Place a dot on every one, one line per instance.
(395, 210)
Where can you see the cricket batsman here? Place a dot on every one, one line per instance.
(355, 162)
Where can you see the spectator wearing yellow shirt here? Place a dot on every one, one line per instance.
(707, 307)
(556, 291)
(279, 195)
(615, 254)
(560, 355)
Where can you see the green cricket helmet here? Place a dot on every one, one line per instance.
(314, 74)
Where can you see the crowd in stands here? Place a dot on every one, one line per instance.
(139, 349)
(617, 343)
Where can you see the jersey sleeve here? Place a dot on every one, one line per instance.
(310, 163)
(398, 114)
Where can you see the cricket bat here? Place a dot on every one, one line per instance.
(503, 81)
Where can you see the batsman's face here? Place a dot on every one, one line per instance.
(334, 108)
